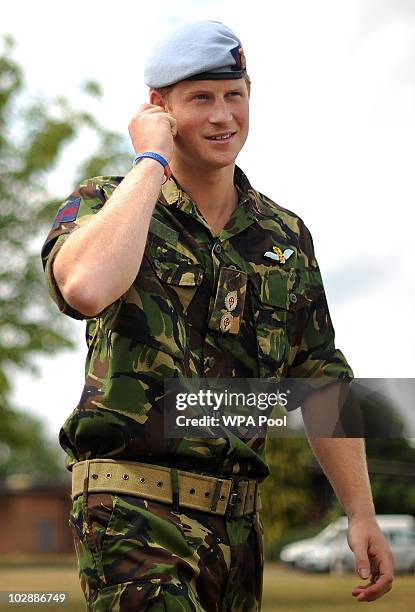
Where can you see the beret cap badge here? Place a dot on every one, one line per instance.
(239, 57)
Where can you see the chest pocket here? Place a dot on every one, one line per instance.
(173, 268)
(179, 275)
(153, 311)
(272, 299)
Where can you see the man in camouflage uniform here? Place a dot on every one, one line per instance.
(174, 277)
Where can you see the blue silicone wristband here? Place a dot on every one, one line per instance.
(152, 155)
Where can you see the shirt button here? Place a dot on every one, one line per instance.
(293, 298)
(211, 362)
(217, 248)
(157, 263)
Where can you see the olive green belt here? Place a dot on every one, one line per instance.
(233, 498)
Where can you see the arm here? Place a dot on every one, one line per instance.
(313, 356)
(343, 460)
(100, 260)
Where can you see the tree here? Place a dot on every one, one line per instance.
(287, 494)
(33, 135)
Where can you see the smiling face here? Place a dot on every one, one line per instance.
(212, 120)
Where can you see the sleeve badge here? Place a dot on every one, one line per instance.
(67, 213)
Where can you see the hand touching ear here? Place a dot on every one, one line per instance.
(153, 129)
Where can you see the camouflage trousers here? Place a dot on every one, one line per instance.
(135, 555)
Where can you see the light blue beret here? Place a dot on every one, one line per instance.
(199, 50)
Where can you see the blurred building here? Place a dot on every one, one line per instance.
(34, 517)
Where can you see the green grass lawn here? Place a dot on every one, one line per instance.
(284, 590)
(287, 590)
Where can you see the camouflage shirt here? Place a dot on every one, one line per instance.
(174, 321)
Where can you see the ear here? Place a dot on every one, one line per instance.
(157, 99)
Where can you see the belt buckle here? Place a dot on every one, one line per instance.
(232, 500)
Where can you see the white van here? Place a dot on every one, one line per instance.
(329, 550)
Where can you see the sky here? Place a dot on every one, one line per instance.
(332, 138)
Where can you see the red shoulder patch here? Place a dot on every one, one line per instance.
(67, 213)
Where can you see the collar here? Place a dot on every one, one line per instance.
(172, 193)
